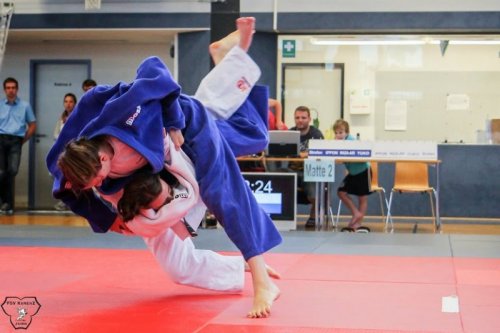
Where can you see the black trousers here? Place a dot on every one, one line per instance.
(10, 158)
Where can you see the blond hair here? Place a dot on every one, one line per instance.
(341, 123)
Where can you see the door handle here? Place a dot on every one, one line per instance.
(39, 136)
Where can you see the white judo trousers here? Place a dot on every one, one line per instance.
(221, 94)
(187, 265)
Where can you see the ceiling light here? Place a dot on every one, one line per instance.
(315, 41)
(475, 42)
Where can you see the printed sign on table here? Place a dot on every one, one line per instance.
(375, 150)
(319, 170)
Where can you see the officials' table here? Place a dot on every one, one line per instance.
(380, 151)
(342, 151)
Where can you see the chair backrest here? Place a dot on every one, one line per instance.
(374, 175)
(411, 174)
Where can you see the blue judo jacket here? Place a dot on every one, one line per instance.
(137, 113)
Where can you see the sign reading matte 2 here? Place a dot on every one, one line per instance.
(318, 170)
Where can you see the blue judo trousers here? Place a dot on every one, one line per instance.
(137, 113)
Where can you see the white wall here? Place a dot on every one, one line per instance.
(368, 5)
(111, 63)
(363, 63)
(248, 6)
(107, 6)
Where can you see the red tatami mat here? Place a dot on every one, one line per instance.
(102, 290)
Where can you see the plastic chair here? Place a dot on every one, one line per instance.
(412, 177)
(375, 187)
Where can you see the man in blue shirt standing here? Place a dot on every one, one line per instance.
(17, 125)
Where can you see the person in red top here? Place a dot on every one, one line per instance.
(276, 117)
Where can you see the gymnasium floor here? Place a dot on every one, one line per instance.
(332, 282)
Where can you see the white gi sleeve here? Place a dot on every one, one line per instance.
(228, 84)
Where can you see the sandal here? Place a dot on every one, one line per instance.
(363, 230)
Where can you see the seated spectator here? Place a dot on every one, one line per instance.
(356, 183)
(302, 117)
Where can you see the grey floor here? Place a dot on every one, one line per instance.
(319, 242)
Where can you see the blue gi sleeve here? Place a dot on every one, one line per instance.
(97, 213)
(160, 83)
(172, 116)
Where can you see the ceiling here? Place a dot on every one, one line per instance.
(147, 36)
(93, 36)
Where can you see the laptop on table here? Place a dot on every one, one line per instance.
(283, 144)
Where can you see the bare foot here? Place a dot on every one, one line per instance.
(241, 37)
(356, 220)
(264, 289)
(264, 296)
(246, 27)
(270, 271)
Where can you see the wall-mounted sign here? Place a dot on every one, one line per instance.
(288, 48)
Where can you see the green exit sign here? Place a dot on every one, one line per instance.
(288, 48)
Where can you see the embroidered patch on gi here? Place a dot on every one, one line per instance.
(131, 119)
(181, 195)
(243, 84)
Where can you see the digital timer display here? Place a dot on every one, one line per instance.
(272, 203)
(275, 193)
(260, 186)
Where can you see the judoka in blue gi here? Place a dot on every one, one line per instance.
(127, 119)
